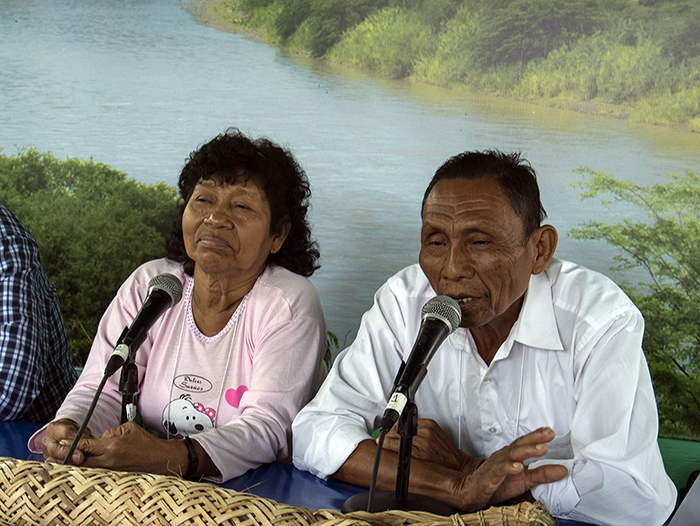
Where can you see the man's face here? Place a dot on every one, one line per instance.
(473, 249)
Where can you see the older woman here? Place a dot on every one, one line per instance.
(223, 372)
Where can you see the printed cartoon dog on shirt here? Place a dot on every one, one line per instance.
(182, 417)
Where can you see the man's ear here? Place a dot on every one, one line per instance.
(279, 238)
(544, 240)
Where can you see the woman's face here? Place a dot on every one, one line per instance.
(226, 229)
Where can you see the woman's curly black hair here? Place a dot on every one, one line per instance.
(232, 157)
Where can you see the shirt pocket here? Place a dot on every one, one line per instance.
(560, 447)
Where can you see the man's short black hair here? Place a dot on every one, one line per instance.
(514, 174)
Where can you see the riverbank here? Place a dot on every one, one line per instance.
(211, 14)
(546, 87)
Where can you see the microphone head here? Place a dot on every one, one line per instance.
(169, 284)
(445, 309)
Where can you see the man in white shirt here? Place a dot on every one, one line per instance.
(545, 379)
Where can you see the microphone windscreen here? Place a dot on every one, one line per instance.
(169, 284)
(444, 308)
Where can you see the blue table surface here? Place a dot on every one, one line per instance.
(280, 482)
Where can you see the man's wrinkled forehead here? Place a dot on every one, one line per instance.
(478, 204)
(457, 184)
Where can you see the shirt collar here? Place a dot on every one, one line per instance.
(537, 325)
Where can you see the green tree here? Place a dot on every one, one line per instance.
(93, 226)
(292, 15)
(666, 246)
(325, 20)
(387, 42)
(518, 31)
(454, 58)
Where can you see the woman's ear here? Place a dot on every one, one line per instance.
(545, 240)
(279, 238)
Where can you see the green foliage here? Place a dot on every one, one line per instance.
(332, 342)
(673, 23)
(643, 56)
(261, 15)
(518, 31)
(293, 13)
(436, 13)
(455, 56)
(255, 4)
(93, 226)
(387, 42)
(325, 20)
(598, 67)
(667, 247)
(674, 108)
(684, 43)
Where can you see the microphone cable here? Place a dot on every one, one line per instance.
(375, 471)
(81, 430)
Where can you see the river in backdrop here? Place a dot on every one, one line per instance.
(138, 84)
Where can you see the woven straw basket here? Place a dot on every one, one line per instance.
(35, 493)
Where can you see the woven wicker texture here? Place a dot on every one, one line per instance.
(35, 493)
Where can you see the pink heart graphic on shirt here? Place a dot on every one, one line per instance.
(233, 396)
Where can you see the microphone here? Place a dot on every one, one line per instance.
(440, 317)
(164, 291)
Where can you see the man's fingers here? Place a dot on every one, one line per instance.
(532, 445)
(539, 436)
(520, 453)
(479, 487)
(545, 474)
(432, 444)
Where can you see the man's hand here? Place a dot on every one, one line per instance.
(432, 444)
(58, 439)
(503, 476)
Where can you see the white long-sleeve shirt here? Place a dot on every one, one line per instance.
(573, 361)
(237, 391)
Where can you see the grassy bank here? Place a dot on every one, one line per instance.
(612, 58)
(218, 15)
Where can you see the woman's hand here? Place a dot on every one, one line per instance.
(58, 439)
(129, 447)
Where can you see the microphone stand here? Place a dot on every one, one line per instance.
(407, 428)
(128, 385)
(400, 499)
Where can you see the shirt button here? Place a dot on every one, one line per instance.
(492, 430)
(487, 380)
